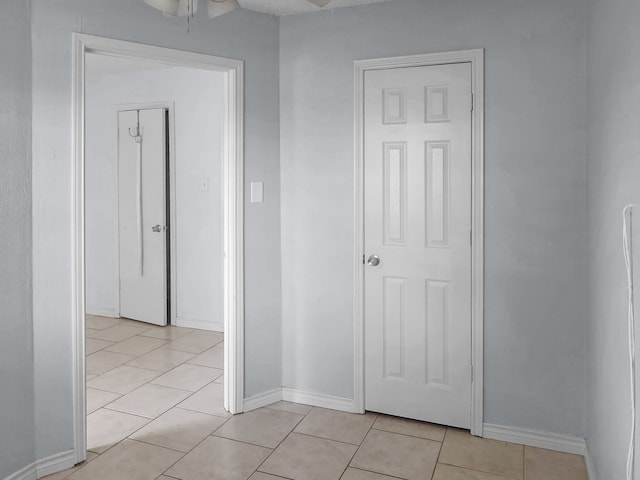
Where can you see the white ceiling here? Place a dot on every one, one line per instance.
(290, 7)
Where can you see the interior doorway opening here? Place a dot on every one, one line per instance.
(229, 317)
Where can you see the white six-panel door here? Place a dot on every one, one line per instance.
(142, 160)
(417, 182)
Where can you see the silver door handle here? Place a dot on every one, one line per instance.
(157, 228)
(373, 261)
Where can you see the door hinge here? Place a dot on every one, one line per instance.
(363, 258)
(471, 238)
(471, 370)
(472, 101)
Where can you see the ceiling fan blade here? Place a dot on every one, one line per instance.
(215, 8)
(168, 7)
(320, 3)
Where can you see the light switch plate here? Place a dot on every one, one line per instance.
(257, 192)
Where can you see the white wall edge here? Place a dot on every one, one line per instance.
(319, 400)
(47, 466)
(199, 324)
(102, 312)
(536, 438)
(588, 460)
(262, 399)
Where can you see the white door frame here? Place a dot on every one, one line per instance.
(476, 59)
(233, 212)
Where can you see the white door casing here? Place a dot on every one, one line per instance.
(233, 212)
(417, 166)
(142, 200)
(432, 154)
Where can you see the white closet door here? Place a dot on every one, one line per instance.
(418, 223)
(142, 161)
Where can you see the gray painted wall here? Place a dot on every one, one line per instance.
(16, 342)
(613, 174)
(198, 100)
(535, 327)
(244, 35)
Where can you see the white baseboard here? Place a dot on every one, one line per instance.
(319, 400)
(101, 312)
(262, 399)
(47, 466)
(588, 460)
(199, 324)
(536, 438)
(55, 463)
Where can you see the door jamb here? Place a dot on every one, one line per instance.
(233, 212)
(476, 59)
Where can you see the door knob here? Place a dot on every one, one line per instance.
(157, 228)
(373, 261)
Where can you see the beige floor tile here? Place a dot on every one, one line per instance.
(93, 345)
(208, 400)
(219, 458)
(95, 322)
(410, 427)
(89, 376)
(220, 379)
(149, 401)
(196, 342)
(499, 458)
(117, 333)
(291, 407)
(214, 357)
(129, 460)
(264, 476)
(334, 425)
(135, 323)
(188, 377)
(102, 362)
(123, 379)
(161, 359)
(542, 464)
(99, 398)
(355, 474)
(167, 333)
(106, 427)
(136, 345)
(397, 455)
(263, 427)
(301, 457)
(179, 429)
(447, 472)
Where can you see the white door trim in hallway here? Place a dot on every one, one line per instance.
(233, 211)
(476, 59)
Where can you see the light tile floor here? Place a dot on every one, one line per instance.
(154, 400)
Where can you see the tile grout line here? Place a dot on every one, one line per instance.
(360, 444)
(281, 442)
(194, 447)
